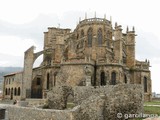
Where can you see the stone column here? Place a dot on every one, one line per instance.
(27, 73)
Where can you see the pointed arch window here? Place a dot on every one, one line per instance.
(19, 91)
(48, 81)
(99, 37)
(89, 37)
(113, 78)
(145, 84)
(15, 91)
(103, 80)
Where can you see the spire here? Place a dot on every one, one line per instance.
(146, 60)
(111, 19)
(133, 29)
(85, 15)
(127, 30)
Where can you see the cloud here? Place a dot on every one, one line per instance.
(32, 33)
(147, 45)
(10, 60)
(32, 30)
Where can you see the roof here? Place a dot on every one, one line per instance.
(10, 74)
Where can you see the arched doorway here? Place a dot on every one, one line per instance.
(102, 77)
(113, 78)
(36, 87)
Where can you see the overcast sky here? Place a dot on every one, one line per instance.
(22, 23)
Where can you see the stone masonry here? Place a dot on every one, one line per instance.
(102, 103)
(96, 53)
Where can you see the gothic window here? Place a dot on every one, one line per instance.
(113, 78)
(12, 91)
(100, 37)
(47, 81)
(102, 76)
(19, 91)
(15, 91)
(82, 33)
(38, 81)
(89, 37)
(145, 84)
(125, 79)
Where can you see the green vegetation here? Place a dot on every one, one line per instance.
(152, 103)
(152, 110)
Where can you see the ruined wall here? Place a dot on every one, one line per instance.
(57, 98)
(91, 109)
(27, 72)
(27, 113)
(104, 102)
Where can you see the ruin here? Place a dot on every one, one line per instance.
(95, 57)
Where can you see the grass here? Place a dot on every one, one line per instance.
(152, 103)
(152, 110)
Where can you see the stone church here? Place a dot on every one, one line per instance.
(94, 54)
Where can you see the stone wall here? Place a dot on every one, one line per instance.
(125, 99)
(57, 98)
(101, 102)
(27, 113)
(73, 75)
(90, 109)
